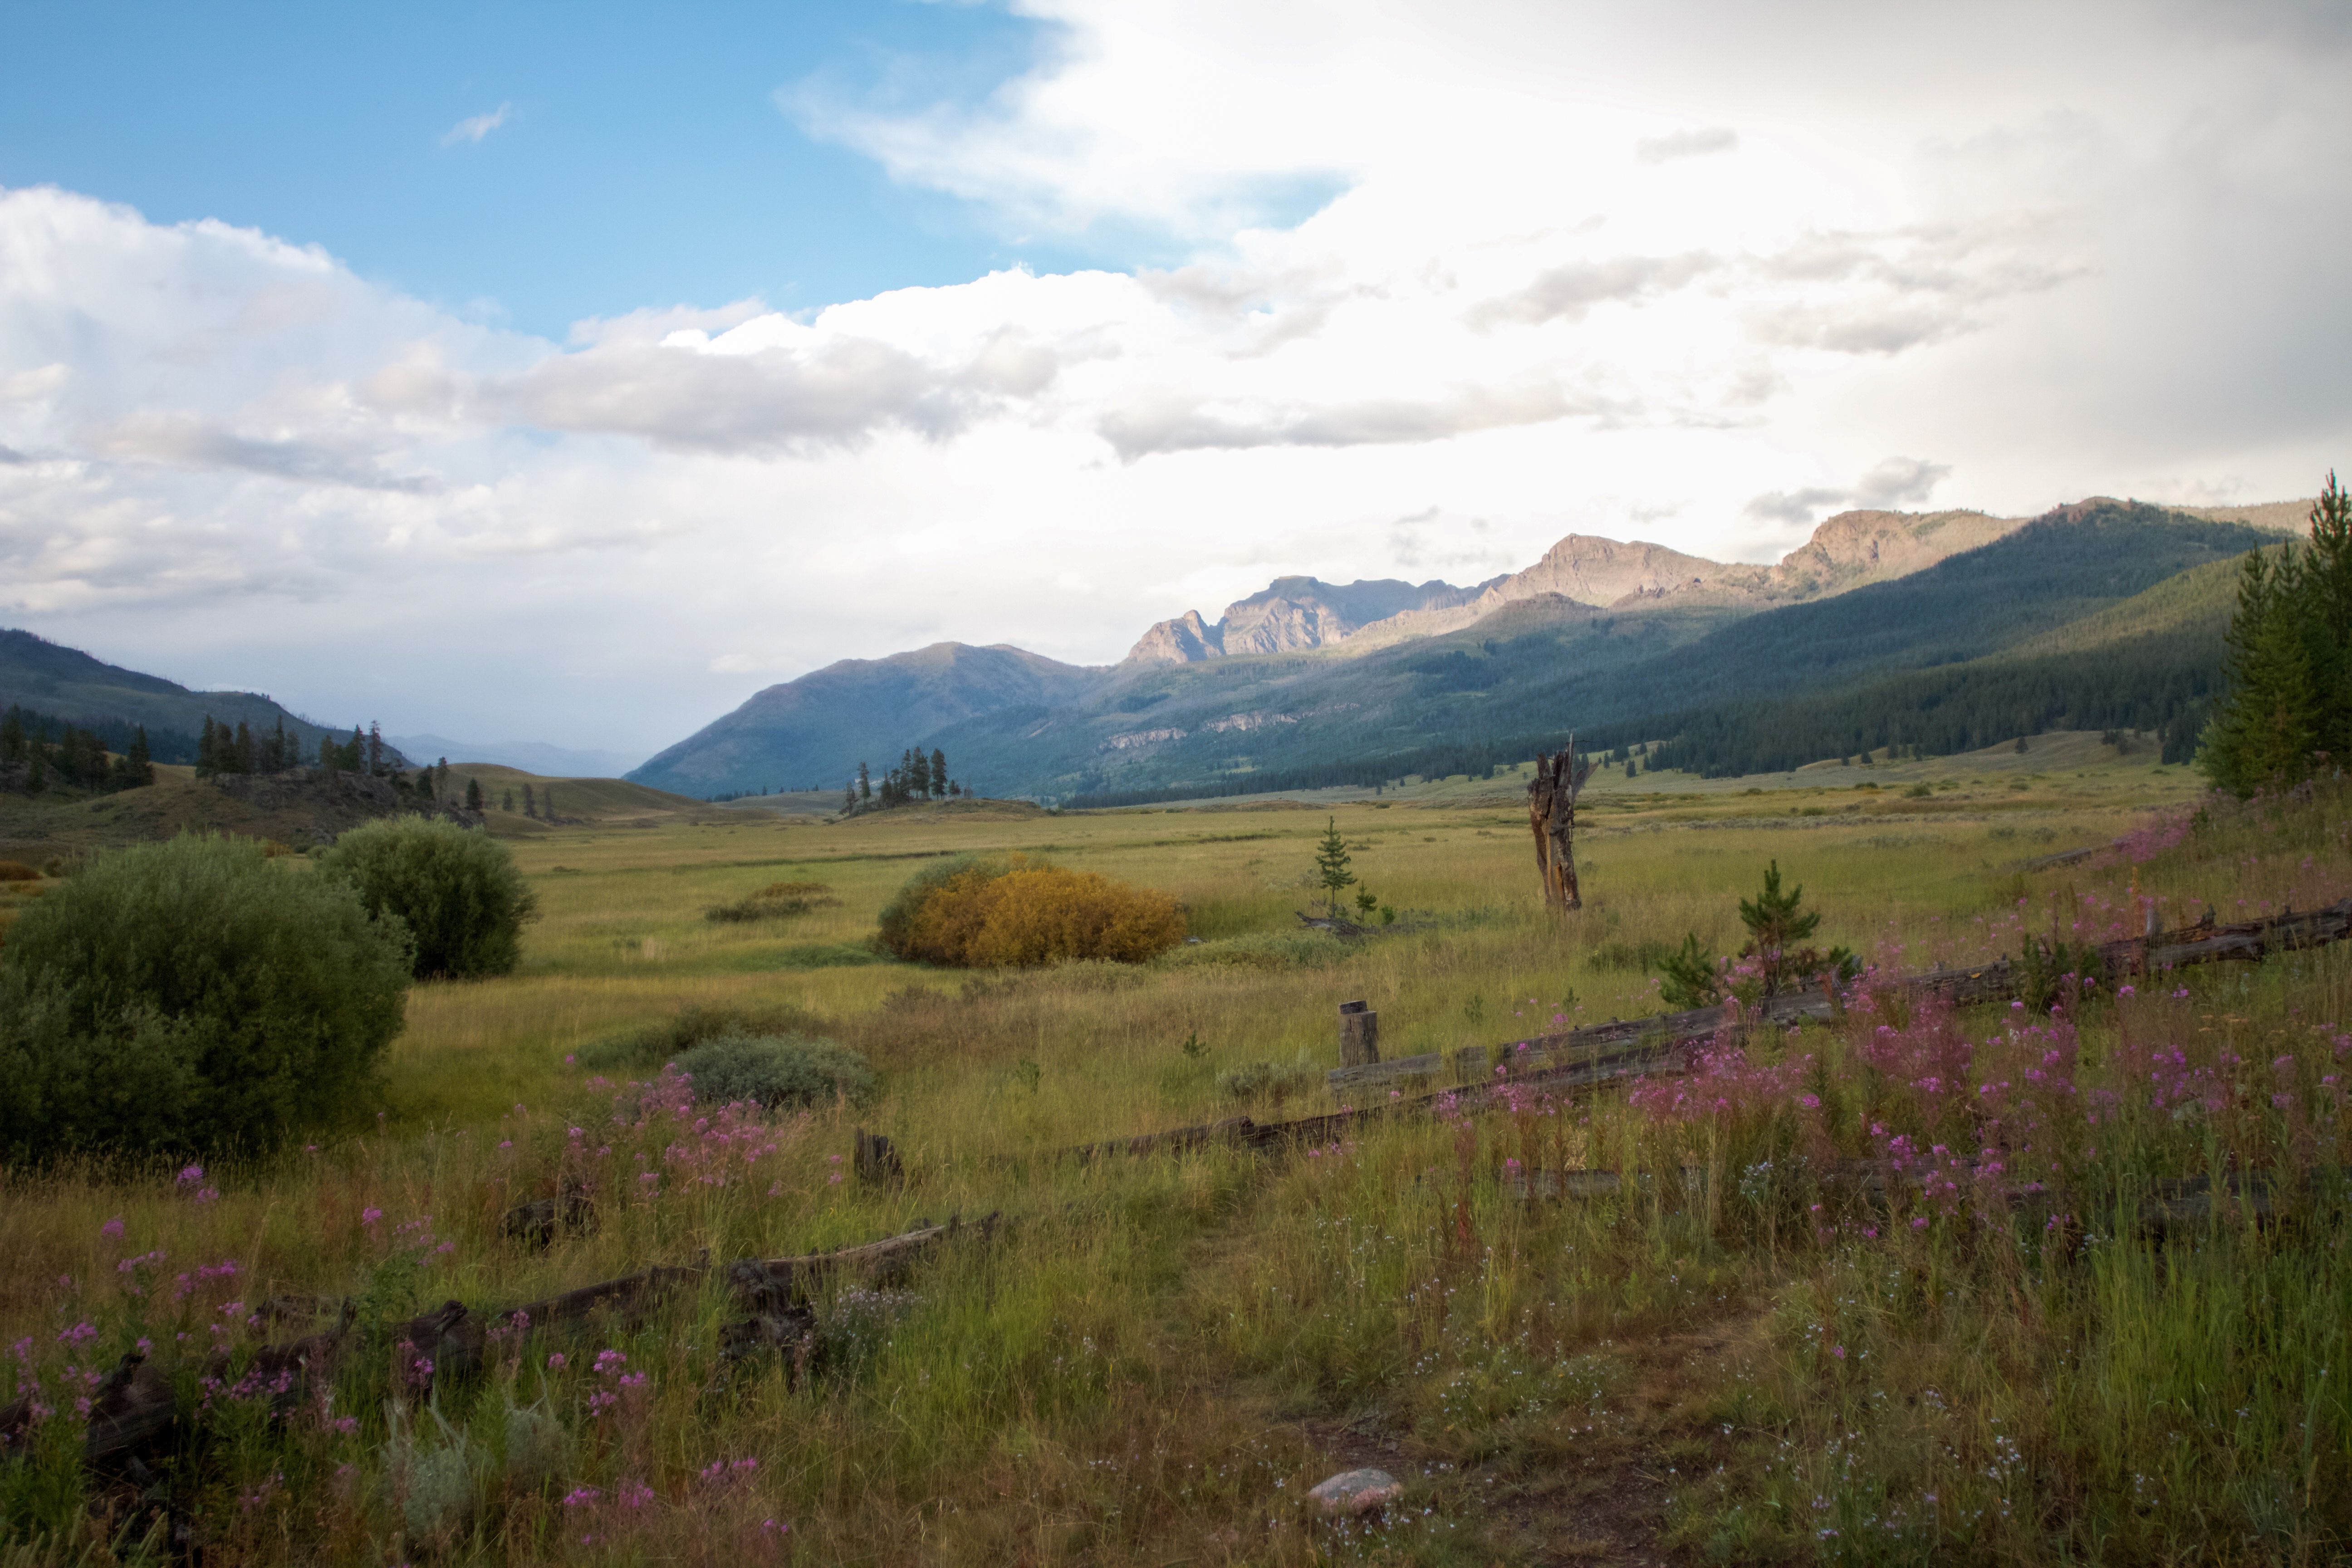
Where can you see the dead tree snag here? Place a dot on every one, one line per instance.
(1551, 815)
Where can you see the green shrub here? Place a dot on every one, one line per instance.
(777, 1071)
(1269, 1080)
(457, 889)
(649, 1046)
(777, 900)
(191, 996)
(1263, 950)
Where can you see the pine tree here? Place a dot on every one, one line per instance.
(11, 735)
(2265, 732)
(473, 794)
(244, 752)
(849, 799)
(1331, 864)
(530, 802)
(138, 762)
(938, 773)
(506, 800)
(354, 751)
(864, 784)
(374, 749)
(1776, 927)
(207, 750)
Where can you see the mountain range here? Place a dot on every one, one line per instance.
(1308, 682)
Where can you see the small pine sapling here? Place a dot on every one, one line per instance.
(1331, 864)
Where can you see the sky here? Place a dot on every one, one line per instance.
(527, 372)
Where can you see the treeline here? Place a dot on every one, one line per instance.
(2163, 684)
(1477, 759)
(918, 776)
(2289, 709)
(38, 754)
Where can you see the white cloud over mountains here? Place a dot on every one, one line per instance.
(1682, 273)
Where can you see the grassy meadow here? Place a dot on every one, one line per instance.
(1727, 1359)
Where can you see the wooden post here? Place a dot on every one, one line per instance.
(1360, 1034)
(878, 1162)
(1551, 815)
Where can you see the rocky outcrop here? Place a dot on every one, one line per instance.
(1848, 551)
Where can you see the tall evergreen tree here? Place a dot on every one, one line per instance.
(11, 735)
(207, 750)
(864, 784)
(2289, 659)
(375, 748)
(530, 802)
(244, 752)
(473, 794)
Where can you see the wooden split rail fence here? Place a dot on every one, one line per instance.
(1578, 1060)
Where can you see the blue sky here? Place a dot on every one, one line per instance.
(645, 157)
(733, 341)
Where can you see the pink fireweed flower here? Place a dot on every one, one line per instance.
(555, 1363)
(190, 1176)
(112, 1227)
(369, 1216)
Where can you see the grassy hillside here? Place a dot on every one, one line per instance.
(584, 800)
(65, 683)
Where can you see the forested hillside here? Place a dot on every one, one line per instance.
(69, 687)
(1917, 656)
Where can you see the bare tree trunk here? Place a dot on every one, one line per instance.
(1551, 815)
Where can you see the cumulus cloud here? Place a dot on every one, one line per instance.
(1894, 483)
(471, 129)
(1570, 290)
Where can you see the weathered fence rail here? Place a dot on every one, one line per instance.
(134, 1411)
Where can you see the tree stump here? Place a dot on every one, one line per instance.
(1551, 815)
(1360, 1034)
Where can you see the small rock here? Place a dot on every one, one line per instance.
(1357, 1492)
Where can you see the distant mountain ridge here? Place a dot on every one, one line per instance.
(1848, 551)
(1391, 672)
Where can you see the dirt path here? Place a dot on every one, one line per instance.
(1601, 1499)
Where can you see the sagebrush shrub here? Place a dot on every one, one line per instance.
(776, 1071)
(652, 1045)
(455, 889)
(777, 900)
(191, 996)
(18, 871)
(1016, 911)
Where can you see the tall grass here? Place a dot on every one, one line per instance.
(1159, 1356)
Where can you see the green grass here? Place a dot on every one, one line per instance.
(1160, 1354)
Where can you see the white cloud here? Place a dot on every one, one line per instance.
(1688, 272)
(473, 128)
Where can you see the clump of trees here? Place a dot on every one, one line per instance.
(32, 760)
(454, 891)
(2289, 709)
(1018, 910)
(191, 996)
(1776, 957)
(917, 777)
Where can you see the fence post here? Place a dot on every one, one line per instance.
(878, 1162)
(1360, 1034)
